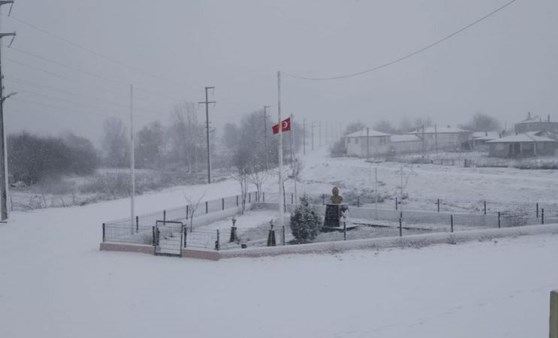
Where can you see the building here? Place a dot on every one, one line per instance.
(406, 144)
(535, 123)
(443, 138)
(479, 139)
(523, 145)
(357, 145)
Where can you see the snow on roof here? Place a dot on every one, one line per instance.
(485, 136)
(440, 130)
(528, 137)
(362, 133)
(405, 138)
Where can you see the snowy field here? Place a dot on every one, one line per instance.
(54, 281)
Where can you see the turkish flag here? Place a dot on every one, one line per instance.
(286, 124)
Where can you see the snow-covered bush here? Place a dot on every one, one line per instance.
(305, 223)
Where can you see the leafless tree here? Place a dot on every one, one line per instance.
(193, 205)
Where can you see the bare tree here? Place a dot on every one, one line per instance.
(115, 143)
(192, 207)
(257, 176)
(186, 136)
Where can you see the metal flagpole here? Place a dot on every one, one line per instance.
(293, 157)
(281, 206)
(132, 160)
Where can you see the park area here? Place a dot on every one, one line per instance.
(54, 275)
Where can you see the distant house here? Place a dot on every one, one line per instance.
(523, 145)
(405, 144)
(443, 138)
(357, 145)
(479, 139)
(535, 123)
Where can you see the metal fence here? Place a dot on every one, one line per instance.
(122, 230)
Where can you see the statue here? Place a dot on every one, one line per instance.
(336, 198)
(334, 211)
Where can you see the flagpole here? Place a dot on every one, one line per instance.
(281, 206)
(132, 160)
(293, 157)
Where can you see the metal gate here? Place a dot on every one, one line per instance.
(168, 238)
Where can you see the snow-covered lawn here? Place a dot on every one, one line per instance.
(55, 283)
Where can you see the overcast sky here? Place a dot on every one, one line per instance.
(504, 66)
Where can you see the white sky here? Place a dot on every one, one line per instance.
(504, 66)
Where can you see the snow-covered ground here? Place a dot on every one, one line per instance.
(54, 282)
(458, 188)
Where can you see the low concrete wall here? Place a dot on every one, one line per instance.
(211, 255)
(128, 247)
(391, 242)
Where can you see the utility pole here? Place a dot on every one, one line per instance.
(265, 136)
(4, 155)
(313, 135)
(207, 103)
(304, 136)
(320, 133)
(368, 144)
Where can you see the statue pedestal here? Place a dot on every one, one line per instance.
(333, 213)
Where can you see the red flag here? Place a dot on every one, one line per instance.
(286, 126)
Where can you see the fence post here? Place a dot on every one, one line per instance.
(438, 203)
(284, 240)
(542, 215)
(103, 232)
(451, 222)
(164, 216)
(237, 200)
(323, 199)
(206, 207)
(499, 220)
(344, 230)
(292, 198)
(554, 314)
(263, 197)
(217, 241)
(537, 209)
(396, 204)
(153, 236)
(187, 211)
(400, 227)
(137, 224)
(185, 235)
(485, 207)
(358, 201)
(222, 203)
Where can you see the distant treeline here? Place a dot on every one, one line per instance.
(32, 158)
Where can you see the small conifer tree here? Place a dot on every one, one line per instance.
(305, 223)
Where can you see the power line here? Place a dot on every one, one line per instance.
(111, 59)
(418, 51)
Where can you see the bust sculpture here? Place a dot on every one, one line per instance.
(336, 198)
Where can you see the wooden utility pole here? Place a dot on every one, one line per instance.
(3, 148)
(207, 103)
(313, 135)
(304, 136)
